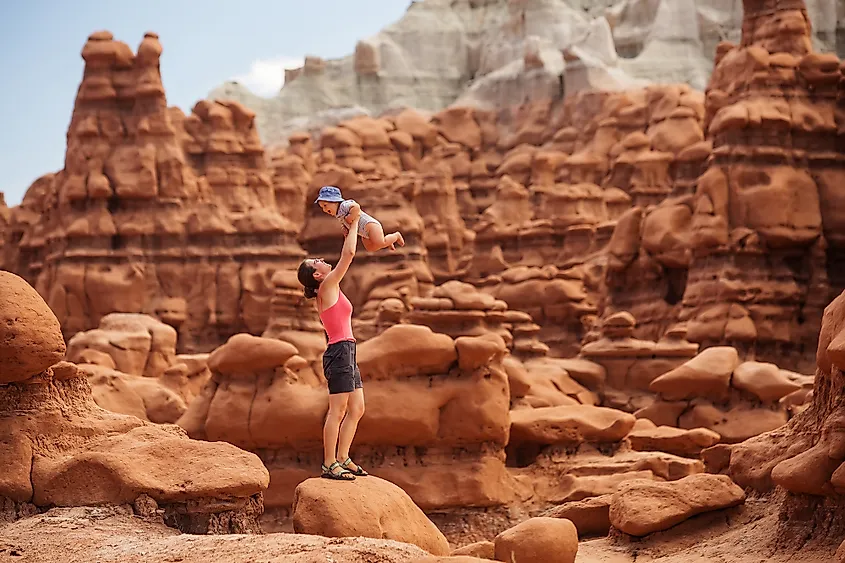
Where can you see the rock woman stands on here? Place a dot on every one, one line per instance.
(340, 367)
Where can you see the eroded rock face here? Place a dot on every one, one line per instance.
(772, 114)
(570, 173)
(133, 368)
(515, 202)
(727, 252)
(360, 157)
(535, 379)
(686, 443)
(804, 456)
(694, 398)
(154, 212)
(631, 364)
(445, 446)
(569, 425)
(561, 474)
(137, 344)
(60, 449)
(648, 260)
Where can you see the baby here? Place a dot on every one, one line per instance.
(372, 234)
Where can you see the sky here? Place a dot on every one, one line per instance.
(206, 42)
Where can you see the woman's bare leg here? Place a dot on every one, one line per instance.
(331, 429)
(354, 412)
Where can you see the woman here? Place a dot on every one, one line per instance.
(346, 392)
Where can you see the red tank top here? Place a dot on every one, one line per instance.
(337, 320)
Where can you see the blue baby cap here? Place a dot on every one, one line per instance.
(329, 193)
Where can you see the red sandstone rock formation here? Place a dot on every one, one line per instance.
(632, 364)
(764, 229)
(541, 187)
(59, 449)
(776, 124)
(803, 457)
(674, 385)
(444, 445)
(295, 320)
(531, 205)
(133, 368)
(535, 379)
(750, 259)
(374, 161)
(154, 212)
(648, 257)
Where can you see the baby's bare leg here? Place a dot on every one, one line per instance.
(376, 240)
(370, 245)
(395, 238)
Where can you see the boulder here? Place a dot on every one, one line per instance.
(569, 425)
(764, 380)
(591, 516)
(685, 443)
(538, 540)
(366, 507)
(641, 507)
(481, 549)
(122, 467)
(706, 375)
(30, 335)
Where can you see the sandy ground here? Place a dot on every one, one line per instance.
(747, 534)
(111, 535)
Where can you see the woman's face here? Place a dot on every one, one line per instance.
(321, 268)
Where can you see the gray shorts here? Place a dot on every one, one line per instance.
(340, 366)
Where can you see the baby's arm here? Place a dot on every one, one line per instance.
(353, 205)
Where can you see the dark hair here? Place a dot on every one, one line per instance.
(305, 274)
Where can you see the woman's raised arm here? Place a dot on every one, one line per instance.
(350, 244)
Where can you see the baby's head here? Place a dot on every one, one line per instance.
(329, 207)
(329, 200)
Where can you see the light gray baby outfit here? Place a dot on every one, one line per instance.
(365, 219)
